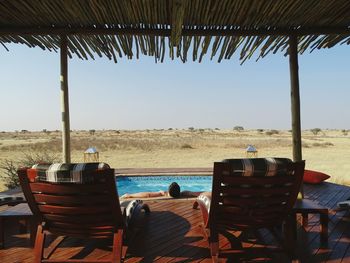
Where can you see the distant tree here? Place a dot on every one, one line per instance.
(217, 129)
(191, 129)
(92, 132)
(272, 132)
(345, 132)
(46, 131)
(316, 131)
(238, 128)
(260, 130)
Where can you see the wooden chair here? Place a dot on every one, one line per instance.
(77, 200)
(250, 194)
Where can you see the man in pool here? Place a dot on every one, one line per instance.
(173, 191)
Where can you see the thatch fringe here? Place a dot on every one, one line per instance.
(170, 18)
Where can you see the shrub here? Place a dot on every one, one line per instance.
(315, 131)
(345, 132)
(238, 128)
(272, 132)
(9, 167)
(186, 146)
(92, 132)
(260, 130)
(325, 144)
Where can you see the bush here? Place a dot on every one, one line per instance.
(186, 146)
(9, 167)
(272, 132)
(315, 131)
(238, 128)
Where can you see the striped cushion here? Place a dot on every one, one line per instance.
(4, 199)
(259, 166)
(128, 208)
(206, 200)
(79, 173)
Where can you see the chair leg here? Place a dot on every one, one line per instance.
(289, 235)
(32, 230)
(324, 227)
(214, 245)
(2, 235)
(39, 244)
(117, 246)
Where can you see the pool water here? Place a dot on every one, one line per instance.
(135, 184)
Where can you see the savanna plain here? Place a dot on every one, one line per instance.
(327, 151)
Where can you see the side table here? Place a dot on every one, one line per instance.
(306, 207)
(17, 212)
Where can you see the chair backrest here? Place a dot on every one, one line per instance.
(254, 193)
(79, 200)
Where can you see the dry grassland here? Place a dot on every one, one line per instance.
(328, 151)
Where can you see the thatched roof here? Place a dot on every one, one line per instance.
(187, 29)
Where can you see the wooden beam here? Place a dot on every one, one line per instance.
(295, 97)
(65, 101)
(90, 30)
(177, 17)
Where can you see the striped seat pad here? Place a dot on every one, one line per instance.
(259, 166)
(79, 173)
(128, 209)
(9, 198)
(205, 199)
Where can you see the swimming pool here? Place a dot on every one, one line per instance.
(135, 184)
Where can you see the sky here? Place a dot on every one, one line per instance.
(140, 94)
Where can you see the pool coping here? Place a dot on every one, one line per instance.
(162, 171)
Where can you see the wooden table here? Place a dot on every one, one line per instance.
(306, 207)
(17, 212)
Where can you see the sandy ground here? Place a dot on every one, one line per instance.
(328, 151)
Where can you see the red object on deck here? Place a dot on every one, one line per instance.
(314, 177)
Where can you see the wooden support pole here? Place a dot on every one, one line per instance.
(295, 97)
(65, 101)
(295, 100)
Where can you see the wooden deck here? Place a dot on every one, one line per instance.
(171, 234)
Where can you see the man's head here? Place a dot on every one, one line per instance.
(174, 190)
